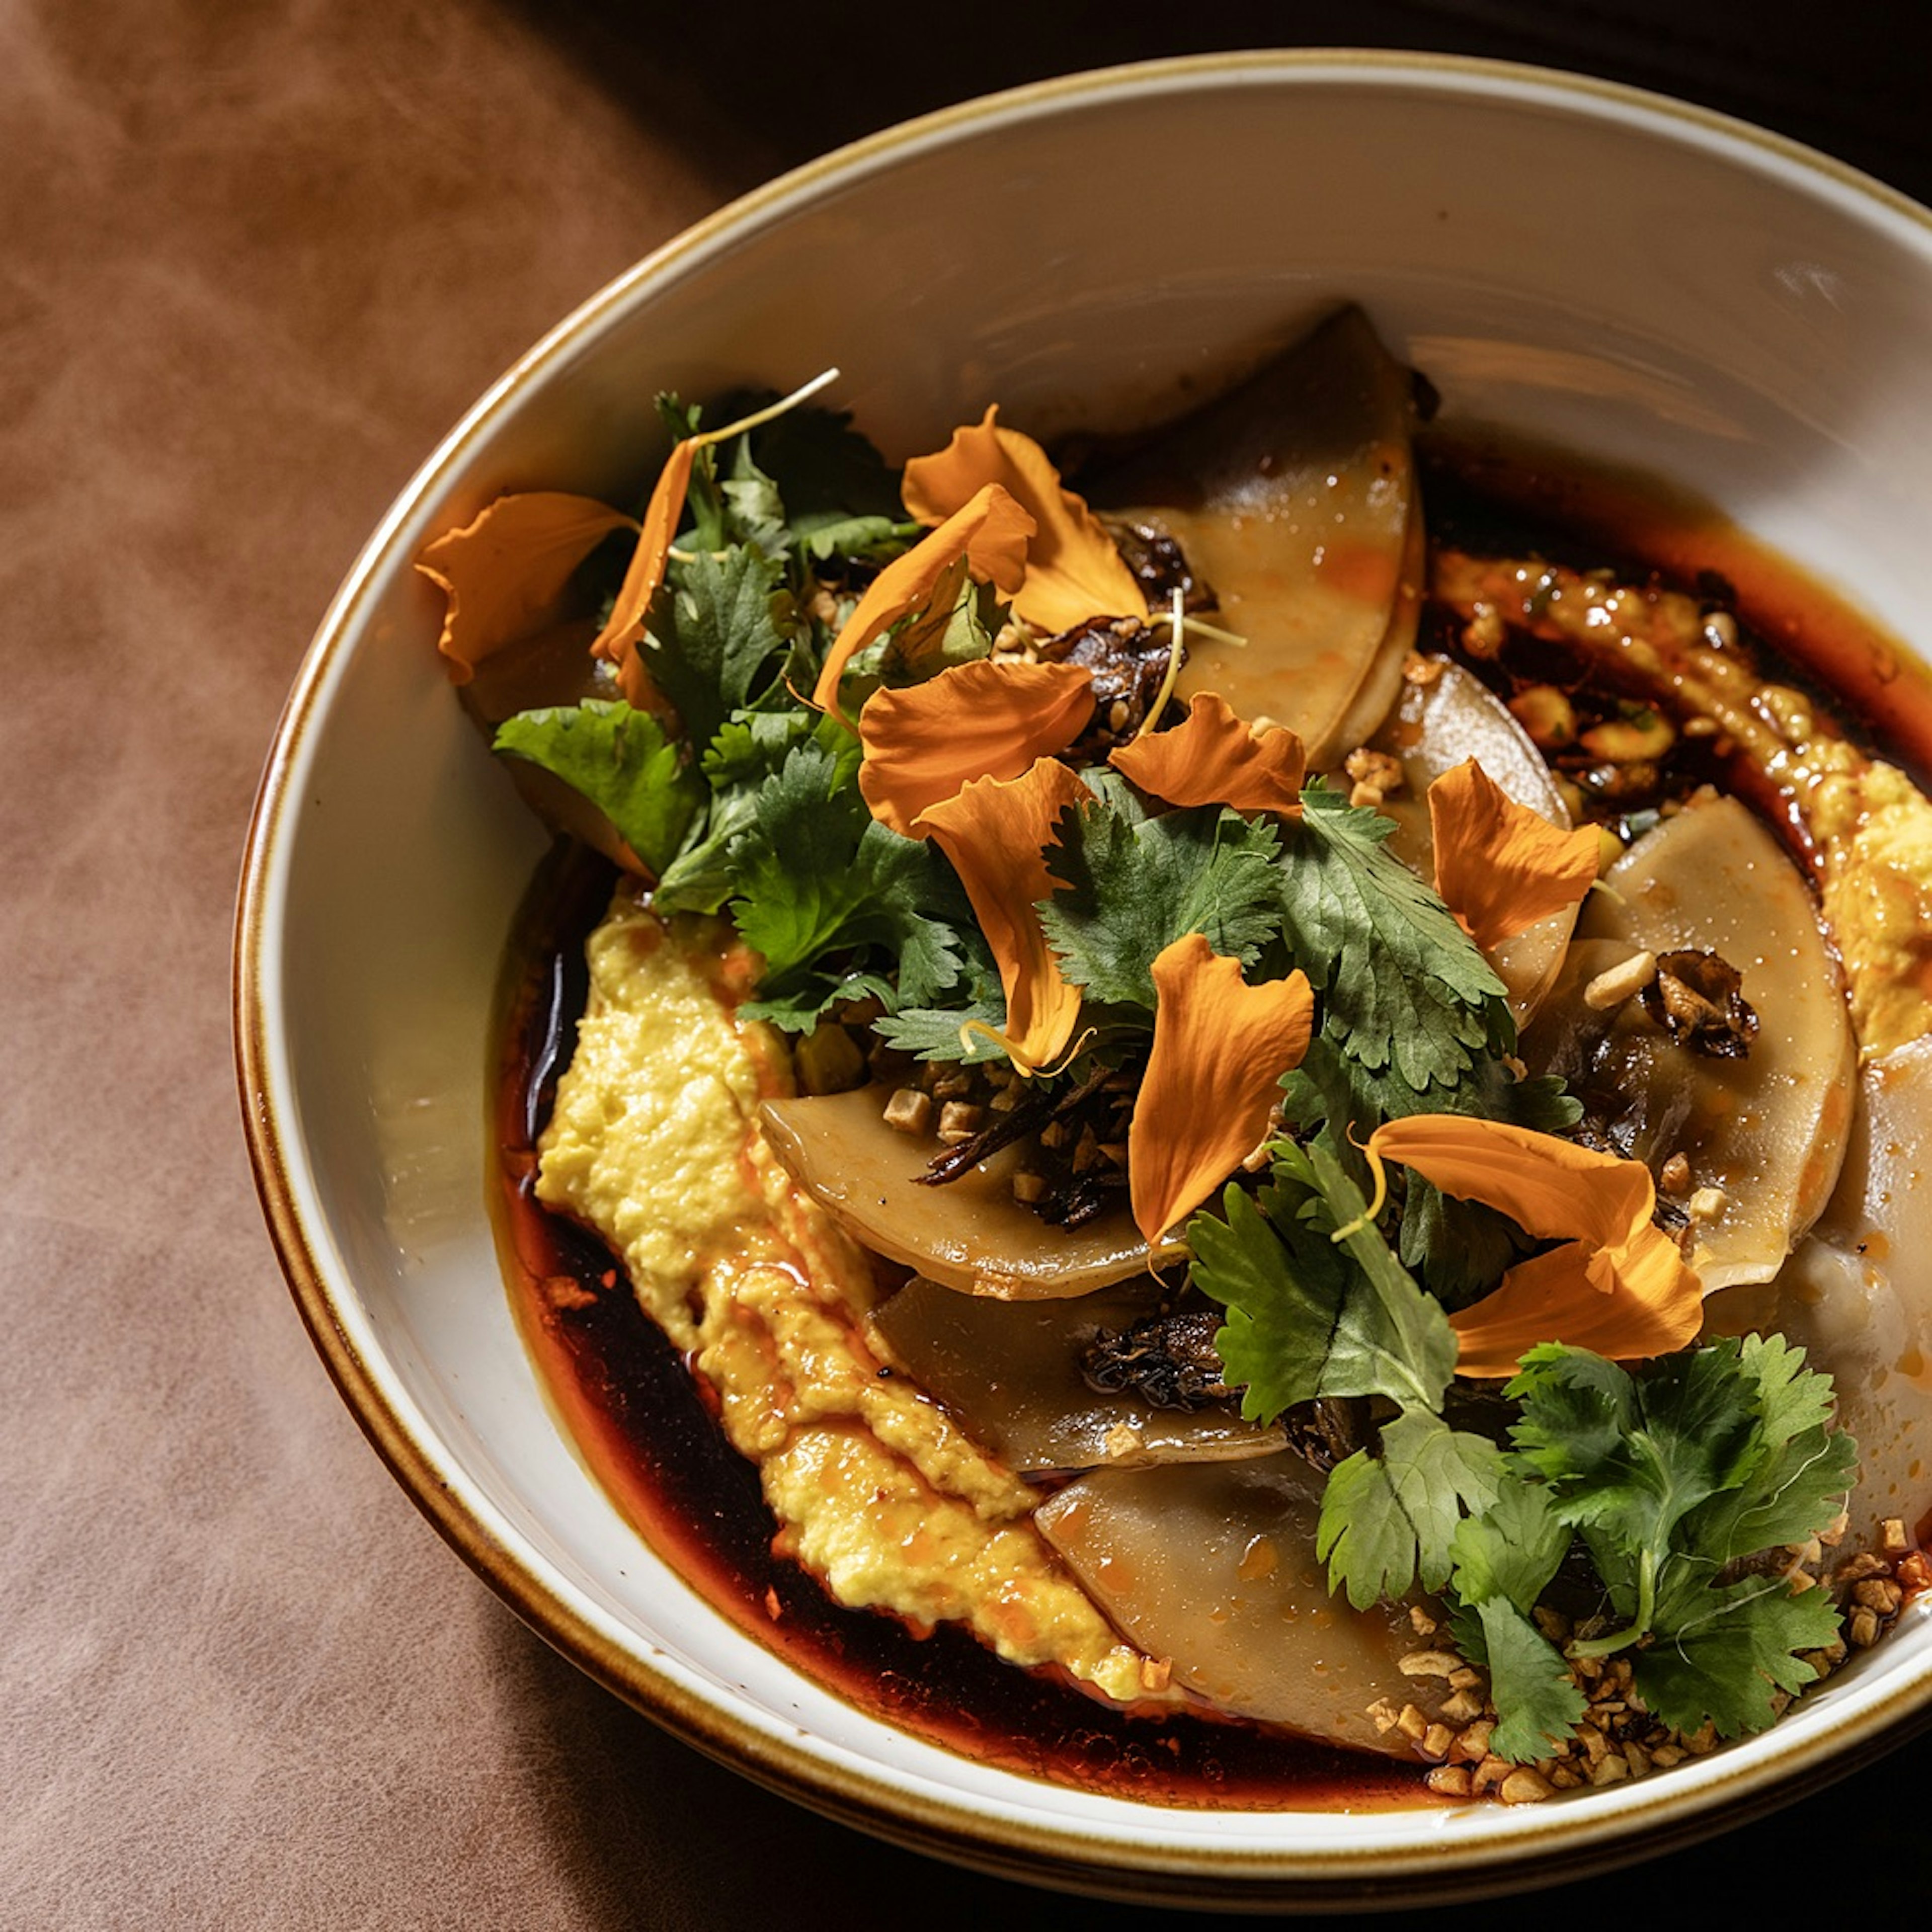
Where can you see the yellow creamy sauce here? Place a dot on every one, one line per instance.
(654, 1143)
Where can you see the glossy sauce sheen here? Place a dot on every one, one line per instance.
(644, 1423)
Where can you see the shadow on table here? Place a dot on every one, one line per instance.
(753, 87)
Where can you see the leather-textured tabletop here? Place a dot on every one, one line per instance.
(256, 257)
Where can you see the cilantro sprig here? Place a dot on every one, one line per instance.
(1670, 1480)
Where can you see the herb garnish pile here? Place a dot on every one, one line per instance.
(1667, 1487)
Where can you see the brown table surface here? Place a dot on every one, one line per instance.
(254, 260)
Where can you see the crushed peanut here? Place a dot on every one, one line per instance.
(1617, 984)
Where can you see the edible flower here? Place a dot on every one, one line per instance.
(990, 718)
(990, 531)
(624, 628)
(1220, 1047)
(1214, 757)
(1617, 1285)
(501, 571)
(995, 832)
(1499, 866)
(1074, 570)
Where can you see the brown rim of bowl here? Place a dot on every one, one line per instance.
(1567, 1844)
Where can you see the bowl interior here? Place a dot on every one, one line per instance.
(1608, 273)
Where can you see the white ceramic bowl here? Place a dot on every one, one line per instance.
(1632, 278)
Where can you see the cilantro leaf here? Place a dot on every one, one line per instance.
(795, 887)
(930, 1033)
(1670, 1475)
(815, 872)
(1129, 884)
(1627, 1459)
(748, 750)
(620, 760)
(1722, 1654)
(1389, 1518)
(1804, 1468)
(716, 643)
(1306, 1316)
(1512, 1549)
(824, 469)
(1405, 988)
(1538, 1700)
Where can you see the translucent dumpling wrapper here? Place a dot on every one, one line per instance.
(1434, 728)
(1762, 1135)
(1210, 1567)
(1857, 1297)
(1012, 1378)
(1294, 497)
(969, 1234)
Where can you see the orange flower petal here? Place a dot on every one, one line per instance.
(502, 572)
(1653, 1305)
(1499, 866)
(1074, 570)
(995, 831)
(991, 719)
(624, 628)
(1220, 1047)
(1618, 1286)
(1215, 758)
(990, 531)
(1552, 1188)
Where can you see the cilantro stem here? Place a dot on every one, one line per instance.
(1638, 1626)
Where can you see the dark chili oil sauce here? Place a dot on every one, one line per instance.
(644, 1423)
(1502, 497)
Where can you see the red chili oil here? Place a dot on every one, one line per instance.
(644, 1423)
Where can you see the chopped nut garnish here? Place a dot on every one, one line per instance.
(1122, 1439)
(1484, 635)
(1368, 766)
(1878, 1593)
(1644, 734)
(1429, 1663)
(1615, 984)
(1155, 1673)
(909, 1111)
(1547, 715)
(1524, 1786)
(1450, 1780)
(1674, 1177)
(1892, 1537)
(959, 1120)
(1708, 1204)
